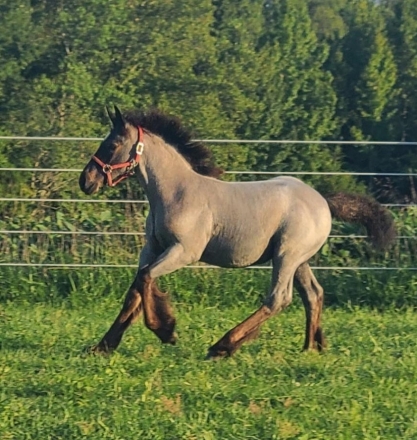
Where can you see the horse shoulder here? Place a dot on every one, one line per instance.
(185, 223)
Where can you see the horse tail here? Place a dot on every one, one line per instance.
(376, 219)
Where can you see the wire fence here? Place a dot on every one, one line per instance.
(236, 172)
(218, 141)
(45, 200)
(193, 266)
(8, 232)
(58, 232)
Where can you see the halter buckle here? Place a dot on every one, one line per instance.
(139, 148)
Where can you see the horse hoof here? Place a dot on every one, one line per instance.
(320, 340)
(97, 350)
(167, 337)
(173, 339)
(214, 354)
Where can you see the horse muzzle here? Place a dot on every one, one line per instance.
(91, 179)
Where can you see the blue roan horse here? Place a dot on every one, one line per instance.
(196, 217)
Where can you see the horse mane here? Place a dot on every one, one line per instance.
(172, 131)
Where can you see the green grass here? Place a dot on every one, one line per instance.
(213, 287)
(363, 387)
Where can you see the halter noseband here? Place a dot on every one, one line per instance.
(130, 165)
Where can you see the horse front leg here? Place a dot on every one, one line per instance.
(157, 309)
(142, 295)
(129, 313)
(131, 309)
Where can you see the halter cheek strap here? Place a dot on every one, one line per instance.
(130, 165)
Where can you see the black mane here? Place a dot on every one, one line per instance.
(171, 130)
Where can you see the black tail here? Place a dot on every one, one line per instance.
(354, 208)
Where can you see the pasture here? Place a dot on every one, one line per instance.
(363, 387)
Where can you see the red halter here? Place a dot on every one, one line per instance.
(130, 165)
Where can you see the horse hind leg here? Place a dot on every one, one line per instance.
(279, 298)
(312, 296)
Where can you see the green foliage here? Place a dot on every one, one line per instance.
(401, 121)
(327, 18)
(278, 69)
(370, 60)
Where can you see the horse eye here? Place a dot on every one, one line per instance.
(113, 147)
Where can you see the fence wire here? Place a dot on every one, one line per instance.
(231, 172)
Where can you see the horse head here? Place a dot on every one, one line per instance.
(116, 157)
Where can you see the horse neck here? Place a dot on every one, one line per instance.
(163, 171)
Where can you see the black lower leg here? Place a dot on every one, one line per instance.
(113, 337)
(165, 322)
(319, 339)
(224, 347)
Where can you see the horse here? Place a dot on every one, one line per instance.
(196, 217)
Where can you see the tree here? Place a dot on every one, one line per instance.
(401, 121)
(327, 20)
(297, 94)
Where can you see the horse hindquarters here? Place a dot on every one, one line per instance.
(303, 231)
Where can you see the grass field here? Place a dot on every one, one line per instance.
(363, 387)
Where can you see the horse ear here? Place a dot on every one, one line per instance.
(110, 115)
(119, 120)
